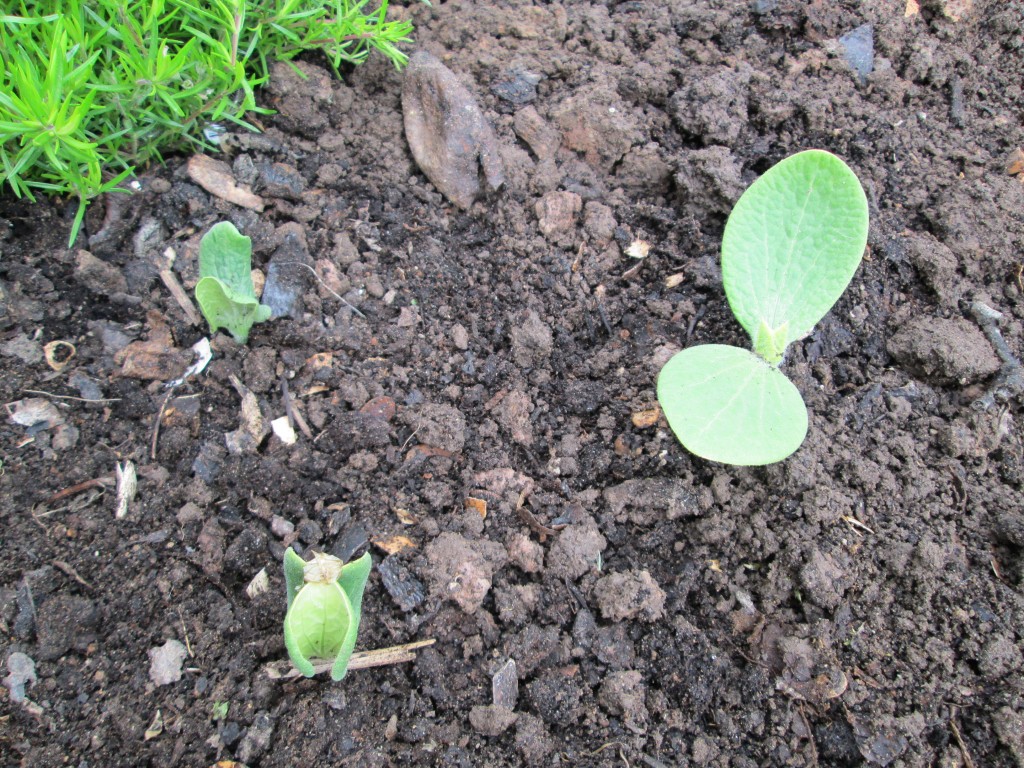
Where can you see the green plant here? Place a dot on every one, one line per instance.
(220, 710)
(791, 246)
(89, 89)
(225, 290)
(325, 599)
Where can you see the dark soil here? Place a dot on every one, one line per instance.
(861, 603)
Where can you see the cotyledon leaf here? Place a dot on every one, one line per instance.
(225, 291)
(791, 245)
(727, 404)
(324, 609)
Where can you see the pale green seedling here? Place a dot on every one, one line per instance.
(325, 601)
(225, 291)
(791, 246)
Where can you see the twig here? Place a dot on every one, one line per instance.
(293, 413)
(156, 424)
(69, 397)
(325, 286)
(70, 571)
(396, 654)
(1010, 381)
(96, 482)
(171, 281)
(968, 762)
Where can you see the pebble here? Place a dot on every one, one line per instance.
(165, 662)
(859, 50)
(22, 673)
(280, 527)
(405, 589)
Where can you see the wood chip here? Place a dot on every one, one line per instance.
(480, 505)
(127, 485)
(646, 418)
(393, 544)
(216, 178)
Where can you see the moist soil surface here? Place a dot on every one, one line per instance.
(476, 390)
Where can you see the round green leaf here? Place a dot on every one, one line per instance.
(727, 404)
(791, 246)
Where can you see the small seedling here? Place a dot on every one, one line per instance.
(325, 600)
(225, 291)
(791, 246)
(220, 710)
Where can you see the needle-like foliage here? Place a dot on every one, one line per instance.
(90, 89)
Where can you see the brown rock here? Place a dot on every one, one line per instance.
(449, 136)
(557, 211)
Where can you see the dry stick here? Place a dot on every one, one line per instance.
(293, 413)
(156, 424)
(395, 654)
(321, 281)
(96, 482)
(69, 397)
(960, 741)
(171, 281)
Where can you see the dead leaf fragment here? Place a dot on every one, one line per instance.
(646, 418)
(34, 411)
(477, 504)
(638, 249)
(405, 516)
(913, 8)
(155, 728)
(260, 583)
(393, 544)
(216, 178)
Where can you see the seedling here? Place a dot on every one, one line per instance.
(325, 600)
(791, 246)
(225, 291)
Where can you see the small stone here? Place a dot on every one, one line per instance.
(22, 670)
(406, 590)
(556, 212)
(288, 279)
(280, 527)
(165, 662)
(630, 595)
(460, 337)
(859, 51)
(257, 738)
(99, 276)
(491, 720)
(505, 686)
(281, 180)
(23, 348)
(449, 136)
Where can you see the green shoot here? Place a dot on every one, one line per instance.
(91, 89)
(791, 246)
(225, 291)
(325, 600)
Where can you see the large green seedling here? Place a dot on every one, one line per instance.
(791, 246)
(225, 291)
(325, 602)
